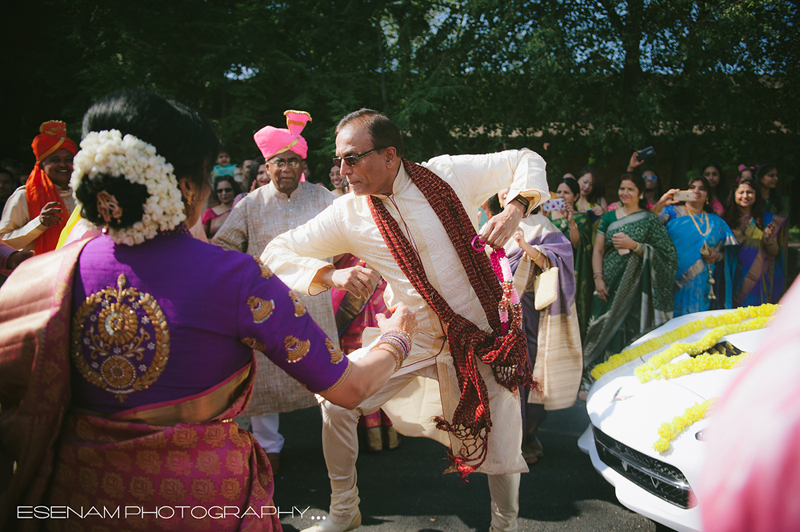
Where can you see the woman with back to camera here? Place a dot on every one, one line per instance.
(759, 272)
(129, 396)
(577, 228)
(635, 264)
(718, 188)
(703, 242)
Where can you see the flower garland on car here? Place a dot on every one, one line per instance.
(671, 430)
(109, 153)
(653, 368)
(733, 317)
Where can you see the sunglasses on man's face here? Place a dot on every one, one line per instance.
(352, 160)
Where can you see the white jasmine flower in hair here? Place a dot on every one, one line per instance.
(109, 153)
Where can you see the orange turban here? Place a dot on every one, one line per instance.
(51, 138)
(39, 190)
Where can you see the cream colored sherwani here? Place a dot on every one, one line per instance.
(348, 227)
(257, 219)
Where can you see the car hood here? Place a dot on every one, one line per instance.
(632, 412)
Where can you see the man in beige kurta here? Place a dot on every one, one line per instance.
(268, 211)
(426, 385)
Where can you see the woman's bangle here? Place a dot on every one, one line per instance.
(394, 351)
(769, 243)
(639, 248)
(598, 274)
(397, 343)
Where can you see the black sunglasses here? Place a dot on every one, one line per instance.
(352, 160)
(220, 190)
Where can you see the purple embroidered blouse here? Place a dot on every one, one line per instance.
(173, 317)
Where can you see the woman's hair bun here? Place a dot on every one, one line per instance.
(130, 197)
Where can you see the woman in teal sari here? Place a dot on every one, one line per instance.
(577, 227)
(759, 272)
(635, 265)
(701, 239)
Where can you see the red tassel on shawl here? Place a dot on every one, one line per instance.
(508, 356)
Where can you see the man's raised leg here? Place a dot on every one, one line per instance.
(340, 447)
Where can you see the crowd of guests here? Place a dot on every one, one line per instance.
(656, 254)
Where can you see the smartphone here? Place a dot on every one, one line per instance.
(684, 195)
(646, 153)
(556, 204)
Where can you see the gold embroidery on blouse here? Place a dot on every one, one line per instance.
(252, 343)
(260, 308)
(296, 349)
(336, 353)
(116, 339)
(266, 273)
(299, 307)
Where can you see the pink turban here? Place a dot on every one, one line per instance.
(272, 141)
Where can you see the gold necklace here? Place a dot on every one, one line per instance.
(708, 222)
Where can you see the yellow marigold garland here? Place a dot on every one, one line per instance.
(652, 369)
(671, 430)
(700, 363)
(710, 322)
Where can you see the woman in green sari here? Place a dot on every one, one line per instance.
(635, 265)
(577, 227)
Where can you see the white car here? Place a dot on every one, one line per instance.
(626, 414)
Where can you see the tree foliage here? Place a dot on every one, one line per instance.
(580, 81)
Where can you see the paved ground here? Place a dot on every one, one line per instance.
(405, 490)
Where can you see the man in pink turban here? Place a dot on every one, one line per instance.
(284, 203)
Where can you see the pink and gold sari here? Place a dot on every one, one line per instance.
(178, 465)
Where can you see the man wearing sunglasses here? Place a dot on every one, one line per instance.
(416, 225)
(284, 203)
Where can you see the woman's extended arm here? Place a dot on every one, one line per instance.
(369, 374)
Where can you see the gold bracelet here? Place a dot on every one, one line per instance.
(394, 351)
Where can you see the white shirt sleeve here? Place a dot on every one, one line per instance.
(16, 228)
(482, 176)
(297, 255)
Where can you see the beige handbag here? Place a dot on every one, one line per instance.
(545, 288)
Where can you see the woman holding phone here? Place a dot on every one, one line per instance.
(701, 239)
(635, 264)
(578, 229)
(759, 272)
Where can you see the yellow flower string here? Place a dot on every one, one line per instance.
(671, 430)
(710, 322)
(700, 363)
(652, 368)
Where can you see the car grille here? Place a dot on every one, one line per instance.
(654, 476)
